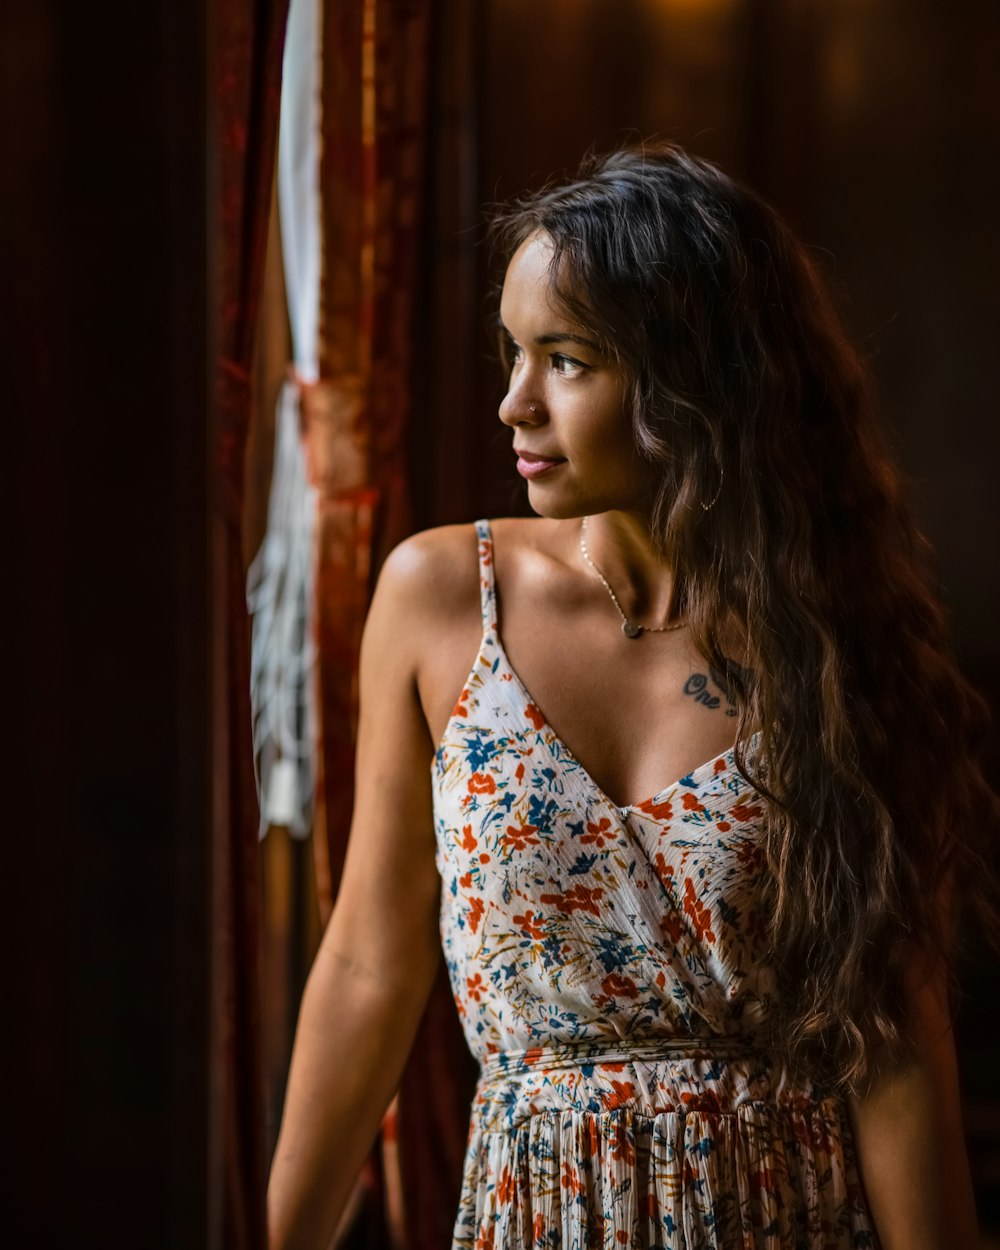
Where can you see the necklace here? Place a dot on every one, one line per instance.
(630, 628)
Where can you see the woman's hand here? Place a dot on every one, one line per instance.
(379, 954)
(910, 1143)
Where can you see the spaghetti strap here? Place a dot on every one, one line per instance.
(487, 579)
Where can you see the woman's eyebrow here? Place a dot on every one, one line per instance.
(563, 336)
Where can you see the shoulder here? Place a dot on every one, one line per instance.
(444, 561)
(437, 562)
(426, 584)
(430, 582)
(431, 579)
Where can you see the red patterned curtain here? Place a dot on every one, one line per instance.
(246, 41)
(374, 103)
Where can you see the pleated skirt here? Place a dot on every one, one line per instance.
(585, 1147)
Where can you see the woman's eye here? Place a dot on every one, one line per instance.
(567, 366)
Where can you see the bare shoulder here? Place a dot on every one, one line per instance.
(432, 571)
(428, 584)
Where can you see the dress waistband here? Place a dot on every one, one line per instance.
(600, 1051)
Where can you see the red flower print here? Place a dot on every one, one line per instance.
(615, 985)
(485, 1239)
(659, 811)
(621, 1237)
(746, 811)
(466, 881)
(707, 1100)
(529, 925)
(532, 1054)
(534, 714)
(519, 837)
(476, 910)
(506, 1189)
(664, 871)
(621, 1147)
(750, 856)
(484, 858)
(698, 912)
(719, 766)
(723, 826)
(538, 1229)
(468, 842)
(475, 986)
(691, 804)
(486, 550)
(622, 1093)
(598, 833)
(570, 1180)
(460, 709)
(672, 926)
(519, 772)
(661, 980)
(580, 898)
(482, 783)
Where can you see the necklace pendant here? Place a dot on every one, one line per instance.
(631, 629)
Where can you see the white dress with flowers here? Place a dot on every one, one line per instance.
(610, 969)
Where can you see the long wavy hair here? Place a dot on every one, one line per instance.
(745, 390)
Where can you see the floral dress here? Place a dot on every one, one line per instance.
(610, 969)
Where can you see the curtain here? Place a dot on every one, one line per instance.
(373, 142)
(397, 130)
(373, 145)
(245, 48)
(381, 253)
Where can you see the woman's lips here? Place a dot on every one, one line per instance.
(531, 466)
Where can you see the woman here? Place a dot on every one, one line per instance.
(712, 1012)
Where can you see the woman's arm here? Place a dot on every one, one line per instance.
(910, 1143)
(376, 963)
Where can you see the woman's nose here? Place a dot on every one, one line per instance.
(518, 407)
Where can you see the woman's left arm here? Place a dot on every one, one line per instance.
(909, 1138)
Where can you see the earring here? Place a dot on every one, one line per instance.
(722, 474)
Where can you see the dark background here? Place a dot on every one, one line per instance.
(873, 125)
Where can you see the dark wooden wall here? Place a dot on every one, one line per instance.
(105, 608)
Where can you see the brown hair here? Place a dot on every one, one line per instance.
(745, 390)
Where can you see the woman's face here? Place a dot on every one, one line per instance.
(565, 400)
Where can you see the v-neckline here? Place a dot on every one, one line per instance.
(621, 808)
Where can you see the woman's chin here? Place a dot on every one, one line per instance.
(549, 501)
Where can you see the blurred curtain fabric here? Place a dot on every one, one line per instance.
(376, 147)
(373, 143)
(245, 47)
(382, 251)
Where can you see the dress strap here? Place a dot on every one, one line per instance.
(487, 579)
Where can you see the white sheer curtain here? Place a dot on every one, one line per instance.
(279, 581)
